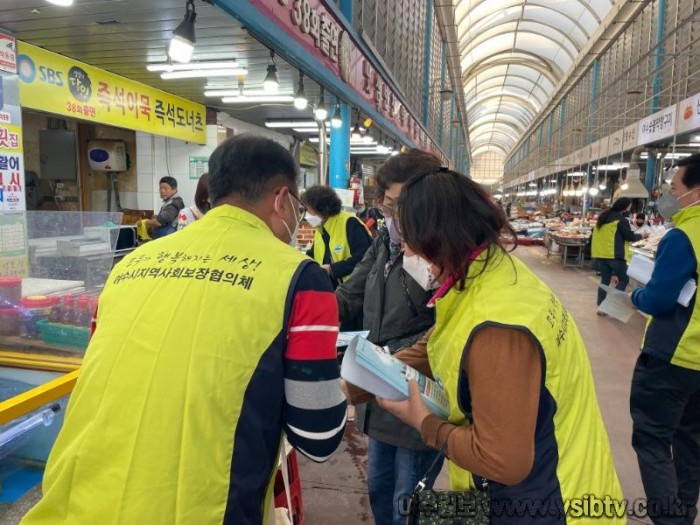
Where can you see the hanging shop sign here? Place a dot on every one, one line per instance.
(630, 136)
(8, 53)
(688, 117)
(315, 27)
(615, 142)
(595, 151)
(580, 157)
(11, 157)
(56, 84)
(309, 157)
(660, 125)
(604, 147)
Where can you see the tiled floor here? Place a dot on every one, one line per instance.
(335, 492)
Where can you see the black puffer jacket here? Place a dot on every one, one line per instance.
(395, 313)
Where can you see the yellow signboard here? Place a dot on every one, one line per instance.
(56, 84)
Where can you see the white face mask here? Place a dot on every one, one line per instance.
(670, 204)
(420, 271)
(292, 234)
(314, 221)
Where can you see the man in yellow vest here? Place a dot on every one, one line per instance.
(340, 238)
(665, 398)
(210, 344)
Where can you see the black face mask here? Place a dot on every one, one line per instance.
(640, 224)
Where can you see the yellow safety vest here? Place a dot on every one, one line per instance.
(336, 226)
(508, 294)
(603, 242)
(687, 352)
(150, 428)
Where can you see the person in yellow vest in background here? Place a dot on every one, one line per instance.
(340, 238)
(524, 420)
(665, 398)
(610, 245)
(186, 389)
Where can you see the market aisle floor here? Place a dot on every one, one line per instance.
(336, 492)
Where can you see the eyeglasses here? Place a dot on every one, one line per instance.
(388, 210)
(302, 209)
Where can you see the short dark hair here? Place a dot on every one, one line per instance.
(401, 167)
(691, 177)
(170, 181)
(322, 199)
(640, 216)
(247, 166)
(446, 216)
(201, 195)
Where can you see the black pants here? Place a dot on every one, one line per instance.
(665, 408)
(607, 268)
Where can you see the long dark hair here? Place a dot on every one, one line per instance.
(618, 206)
(445, 216)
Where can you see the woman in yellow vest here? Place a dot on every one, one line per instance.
(610, 245)
(340, 239)
(524, 418)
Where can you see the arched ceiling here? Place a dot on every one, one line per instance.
(513, 54)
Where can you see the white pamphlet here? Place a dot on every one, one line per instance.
(345, 338)
(616, 304)
(367, 366)
(641, 268)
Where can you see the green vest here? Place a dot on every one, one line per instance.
(508, 294)
(179, 337)
(337, 229)
(603, 242)
(687, 352)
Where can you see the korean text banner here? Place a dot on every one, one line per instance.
(56, 84)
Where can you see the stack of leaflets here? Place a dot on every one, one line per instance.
(369, 367)
(641, 268)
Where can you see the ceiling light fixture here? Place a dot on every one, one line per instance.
(624, 185)
(167, 66)
(291, 124)
(203, 73)
(337, 120)
(241, 92)
(183, 38)
(262, 98)
(271, 84)
(62, 3)
(300, 100)
(321, 111)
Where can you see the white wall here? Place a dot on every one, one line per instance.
(160, 156)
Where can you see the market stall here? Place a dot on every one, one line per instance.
(570, 240)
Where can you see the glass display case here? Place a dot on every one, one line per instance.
(53, 266)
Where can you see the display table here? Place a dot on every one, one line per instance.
(569, 243)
